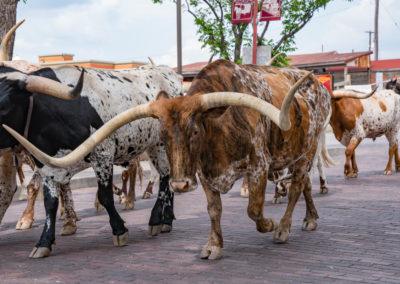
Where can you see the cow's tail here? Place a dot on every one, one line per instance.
(327, 160)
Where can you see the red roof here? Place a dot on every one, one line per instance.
(385, 64)
(194, 67)
(326, 57)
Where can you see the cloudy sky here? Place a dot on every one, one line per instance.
(127, 30)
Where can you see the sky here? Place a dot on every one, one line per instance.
(132, 30)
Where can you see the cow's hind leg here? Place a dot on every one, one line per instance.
(162, 213)
(310, 221)
(70, 216)
(51, 193)
(104, 174)
(213, 248)
(27, 218)
(131, 197)
(323, 184)
(349, 171)
(255, 207)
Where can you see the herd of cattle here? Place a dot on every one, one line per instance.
(235, 121)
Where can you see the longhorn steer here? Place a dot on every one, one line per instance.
(213, 135)
(354, 119)
(58, 126)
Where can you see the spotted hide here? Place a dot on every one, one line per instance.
(223, 144)
(57, 126)
(354, 119)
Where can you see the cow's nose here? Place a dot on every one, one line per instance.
(180, 186)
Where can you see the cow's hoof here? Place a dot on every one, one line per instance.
(166, 228)
(387, 172)
(121, 240)
(129, 205)
(244, 192)
(62, 214)
(98, 207)
(155, 230)
(397, 168)
(146, 195)
(309, 225)
(69, 228)
(122, 199)
(277, 200)
(351, 175)
(40, 252)
(211, 252)
(266, 225)
(281, 236)
(323, 190)
(24, 224)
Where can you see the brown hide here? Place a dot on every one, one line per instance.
(344, 114)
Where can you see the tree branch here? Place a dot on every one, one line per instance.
(293, 32)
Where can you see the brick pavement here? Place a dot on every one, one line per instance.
(357, 240)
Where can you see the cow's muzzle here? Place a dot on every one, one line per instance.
(181, 185)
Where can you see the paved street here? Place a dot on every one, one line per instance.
(357, 240)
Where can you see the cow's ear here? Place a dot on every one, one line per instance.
(214, 112)
(163, 95)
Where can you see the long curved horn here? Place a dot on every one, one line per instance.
(279, 117)
(186, 87)
(151, 61)
(140, 111)
(6, 39)
(38, 84)
(352, 94)
(269, 63)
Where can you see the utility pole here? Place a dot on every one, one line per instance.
(370, 37)
(376, 29)
(255, 14)
(179, 34)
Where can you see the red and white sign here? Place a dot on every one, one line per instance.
(242, 11)
(270, 10)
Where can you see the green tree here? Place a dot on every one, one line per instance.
(215, 30)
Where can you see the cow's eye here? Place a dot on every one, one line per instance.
(195, 132)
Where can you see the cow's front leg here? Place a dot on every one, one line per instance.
(27, 218)
(392, 149)
(70, 216)
(310, 221)
(51, 192)
(349, 171)
(255, 207)
(396, 157)
(213, 248)
(162, 214)
(282, 232)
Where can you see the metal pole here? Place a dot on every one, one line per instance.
(376, 29)
(179, 34)
(255, 12)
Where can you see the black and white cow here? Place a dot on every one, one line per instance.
(57, 126)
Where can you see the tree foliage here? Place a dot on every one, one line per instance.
(215, 30)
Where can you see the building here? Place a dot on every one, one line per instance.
(64, 58)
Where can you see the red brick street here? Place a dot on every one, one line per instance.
(357, 239)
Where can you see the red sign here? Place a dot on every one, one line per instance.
(326, 80)
(242, 11)
(270, 10)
